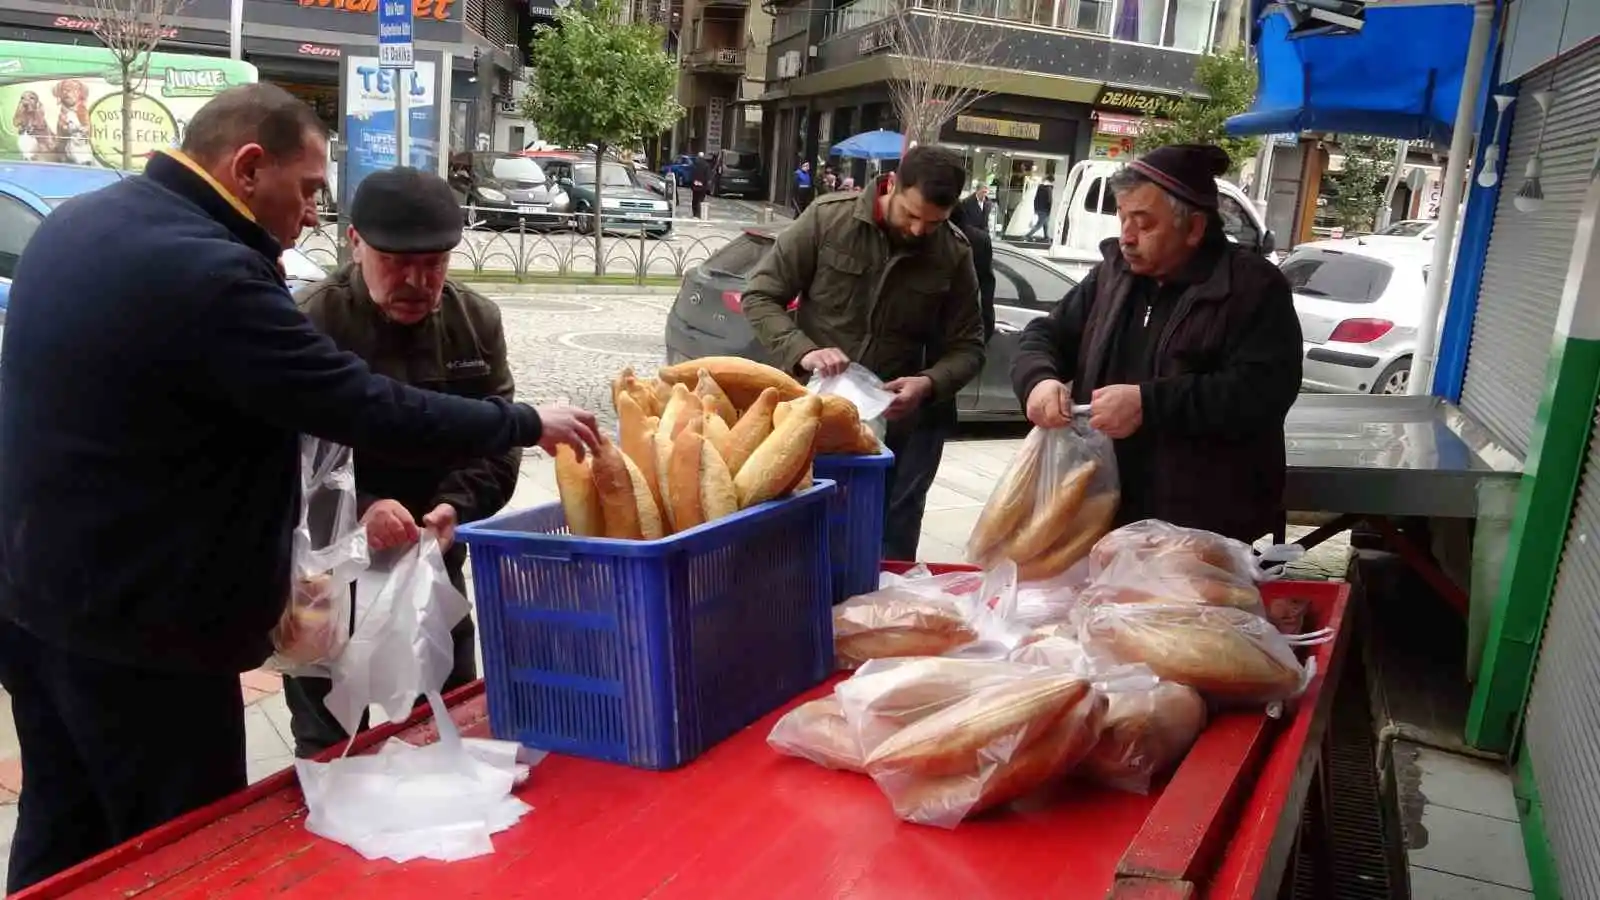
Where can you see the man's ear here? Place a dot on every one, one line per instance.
(245, 167)
(1197, 230)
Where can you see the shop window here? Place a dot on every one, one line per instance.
(17, 225)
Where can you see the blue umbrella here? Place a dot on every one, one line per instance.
(878, 144)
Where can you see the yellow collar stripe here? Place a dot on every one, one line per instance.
(227, 195)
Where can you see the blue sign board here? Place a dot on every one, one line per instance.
(394, 34)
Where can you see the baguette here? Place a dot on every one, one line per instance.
(650, 525)
(683, 473)
(626, 384)
(840, 429)
(716, 427)
(1144, 735)
(752, 428)
(743, 380)
(661, 391)
(626, 504)
(1093, 521)
(579, 498)
(1011, 504)
(718, 496)
(919, 687)
(1220, 651)
(780, 459)
(637, 437)
(817, 731)
(1049, 523)
(678, 410)
(707, 389)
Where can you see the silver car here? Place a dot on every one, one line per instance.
(1359, 303)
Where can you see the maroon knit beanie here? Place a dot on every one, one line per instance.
(1186, 171)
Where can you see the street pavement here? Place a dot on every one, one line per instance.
(566, 346)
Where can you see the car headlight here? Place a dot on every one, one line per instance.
(609, 203)
(659, 206)
(492, 195)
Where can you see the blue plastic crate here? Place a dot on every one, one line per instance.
(650, 652)
(855, 516)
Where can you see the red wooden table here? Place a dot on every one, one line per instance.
(744, 822)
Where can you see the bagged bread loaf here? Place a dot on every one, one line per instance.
(817, 731)
(1165, 562)
(1056, 499)
(896, 622)
(627, 384)
(752, 428)
(886, 695)
(701, 489)
(781, 460)
(1225, 653)
(309, 631)
(580, 499)
(1004, 741)
(1147, 730)
(626, 503)
(742, 380)
(1093, 519)
(714, 398)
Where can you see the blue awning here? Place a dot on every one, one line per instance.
(1399, 77)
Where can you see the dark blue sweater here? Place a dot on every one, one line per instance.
(154, 378)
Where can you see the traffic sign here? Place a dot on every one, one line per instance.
(394, 34)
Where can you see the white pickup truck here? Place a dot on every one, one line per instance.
(1089, 216)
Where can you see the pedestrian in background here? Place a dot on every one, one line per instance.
(1041, 210)
(699, 183)
(395, 308)
(982, 262)
(802, 188)
(151, 428)
(891, 286)
(978, 209)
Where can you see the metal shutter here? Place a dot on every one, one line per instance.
(1526, 264)
(1563, 725)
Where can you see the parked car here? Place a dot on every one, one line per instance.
(1412, 228)
(627, 207)
(653, 183)
(300, 271)
(506, 190)
(1359, 303)
(28, 192)
(706, 319)
(736, 173)
(681, 168)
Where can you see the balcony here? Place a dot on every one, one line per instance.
(734, 4)
(1193, 26)
(714, 61)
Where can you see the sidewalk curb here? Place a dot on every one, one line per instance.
(544, 288)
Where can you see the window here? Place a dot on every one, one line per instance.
(17, 225)
(1330, 275)
(610, 176)
(739, 257)
(1237, 223)
(512, 168)
(1409, 228)
(1100, 194)
(1022, 282)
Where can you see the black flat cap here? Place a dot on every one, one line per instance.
(406, 210)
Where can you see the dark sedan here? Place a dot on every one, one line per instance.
(706, 319)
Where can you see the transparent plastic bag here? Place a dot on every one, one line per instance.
(329, 549)
(818, 731)
(999, 743)
(1169, 579)
(1056, 499)
(1148, 728)
(1227, 654)
(886, 695)
(1039, 603)
(917, 617)
(858, 385)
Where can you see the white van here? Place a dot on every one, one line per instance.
(1090, 216)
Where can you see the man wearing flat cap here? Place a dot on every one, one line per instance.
(1185, 346)
(395, 308)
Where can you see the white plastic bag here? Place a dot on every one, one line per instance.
(329, 549)
(858, 385)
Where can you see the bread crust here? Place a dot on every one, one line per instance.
(580, 500)
(707, 389)
(780, 459)
(752, 428)
(742, 380)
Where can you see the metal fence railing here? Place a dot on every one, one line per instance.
(555, 245)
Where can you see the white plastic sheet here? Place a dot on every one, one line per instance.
(858, 385)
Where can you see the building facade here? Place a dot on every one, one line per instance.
(298, 44)
(721, 50)
(1065, 80)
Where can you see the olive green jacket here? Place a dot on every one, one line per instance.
(896, 312)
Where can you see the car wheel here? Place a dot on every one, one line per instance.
(581, 219)
(1395, 378)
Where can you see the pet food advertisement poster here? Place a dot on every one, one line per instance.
(369, 132)
(63, 103)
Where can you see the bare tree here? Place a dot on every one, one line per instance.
(131, 29)
(940, 65)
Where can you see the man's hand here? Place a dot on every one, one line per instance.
(909, 395)
(1116, 410)
(568, 425)
(1049, 404)
(389, 525)
(443, 522)
(825, 362)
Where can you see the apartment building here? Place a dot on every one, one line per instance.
(721, 47)
(1065, 79)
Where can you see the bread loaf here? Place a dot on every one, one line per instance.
(718, 496)
(1178, 550)
(707, 389)
(716, 428)
(679, 409)
(579, 498)
(780, 459)
(1222, 652)
(919, 687)
(1092, 522)
(817, 731)
(683, 474)
(637, 437)
(893, 623)
(840, 428)
(1145, 734)
(949, 741)
(626, 384)
(1011, 504)
(752, 428)
(662, 392)
(1054, 519)
(741, 379)
(626, 503)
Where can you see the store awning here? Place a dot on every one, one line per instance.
(1400, 77)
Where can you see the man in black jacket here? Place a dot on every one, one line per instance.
(157, 378)
(982, 263)
(1186, 347)
(394, 307)
(699, 182)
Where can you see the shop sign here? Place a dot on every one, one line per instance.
(438, 10)
(1005, 128)
(715, 109)
(320, 51)
(78, 23)
(1135, 101)
(541, 10)
(1120, 126)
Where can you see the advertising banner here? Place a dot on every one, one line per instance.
(369, 132)
(62, 103)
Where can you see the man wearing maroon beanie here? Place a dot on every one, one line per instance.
(1185, 346)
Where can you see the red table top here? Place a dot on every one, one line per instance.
(744, 822)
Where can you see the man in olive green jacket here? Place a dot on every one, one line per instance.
(883, 280)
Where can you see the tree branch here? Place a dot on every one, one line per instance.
(941, 65)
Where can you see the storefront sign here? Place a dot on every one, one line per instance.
(542, 10)
(1120, 126)
(438, 10)
(1006, 128)
(323, 51)
(78, 23)
(369, 132)
(1135, 101)
(715, 109)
